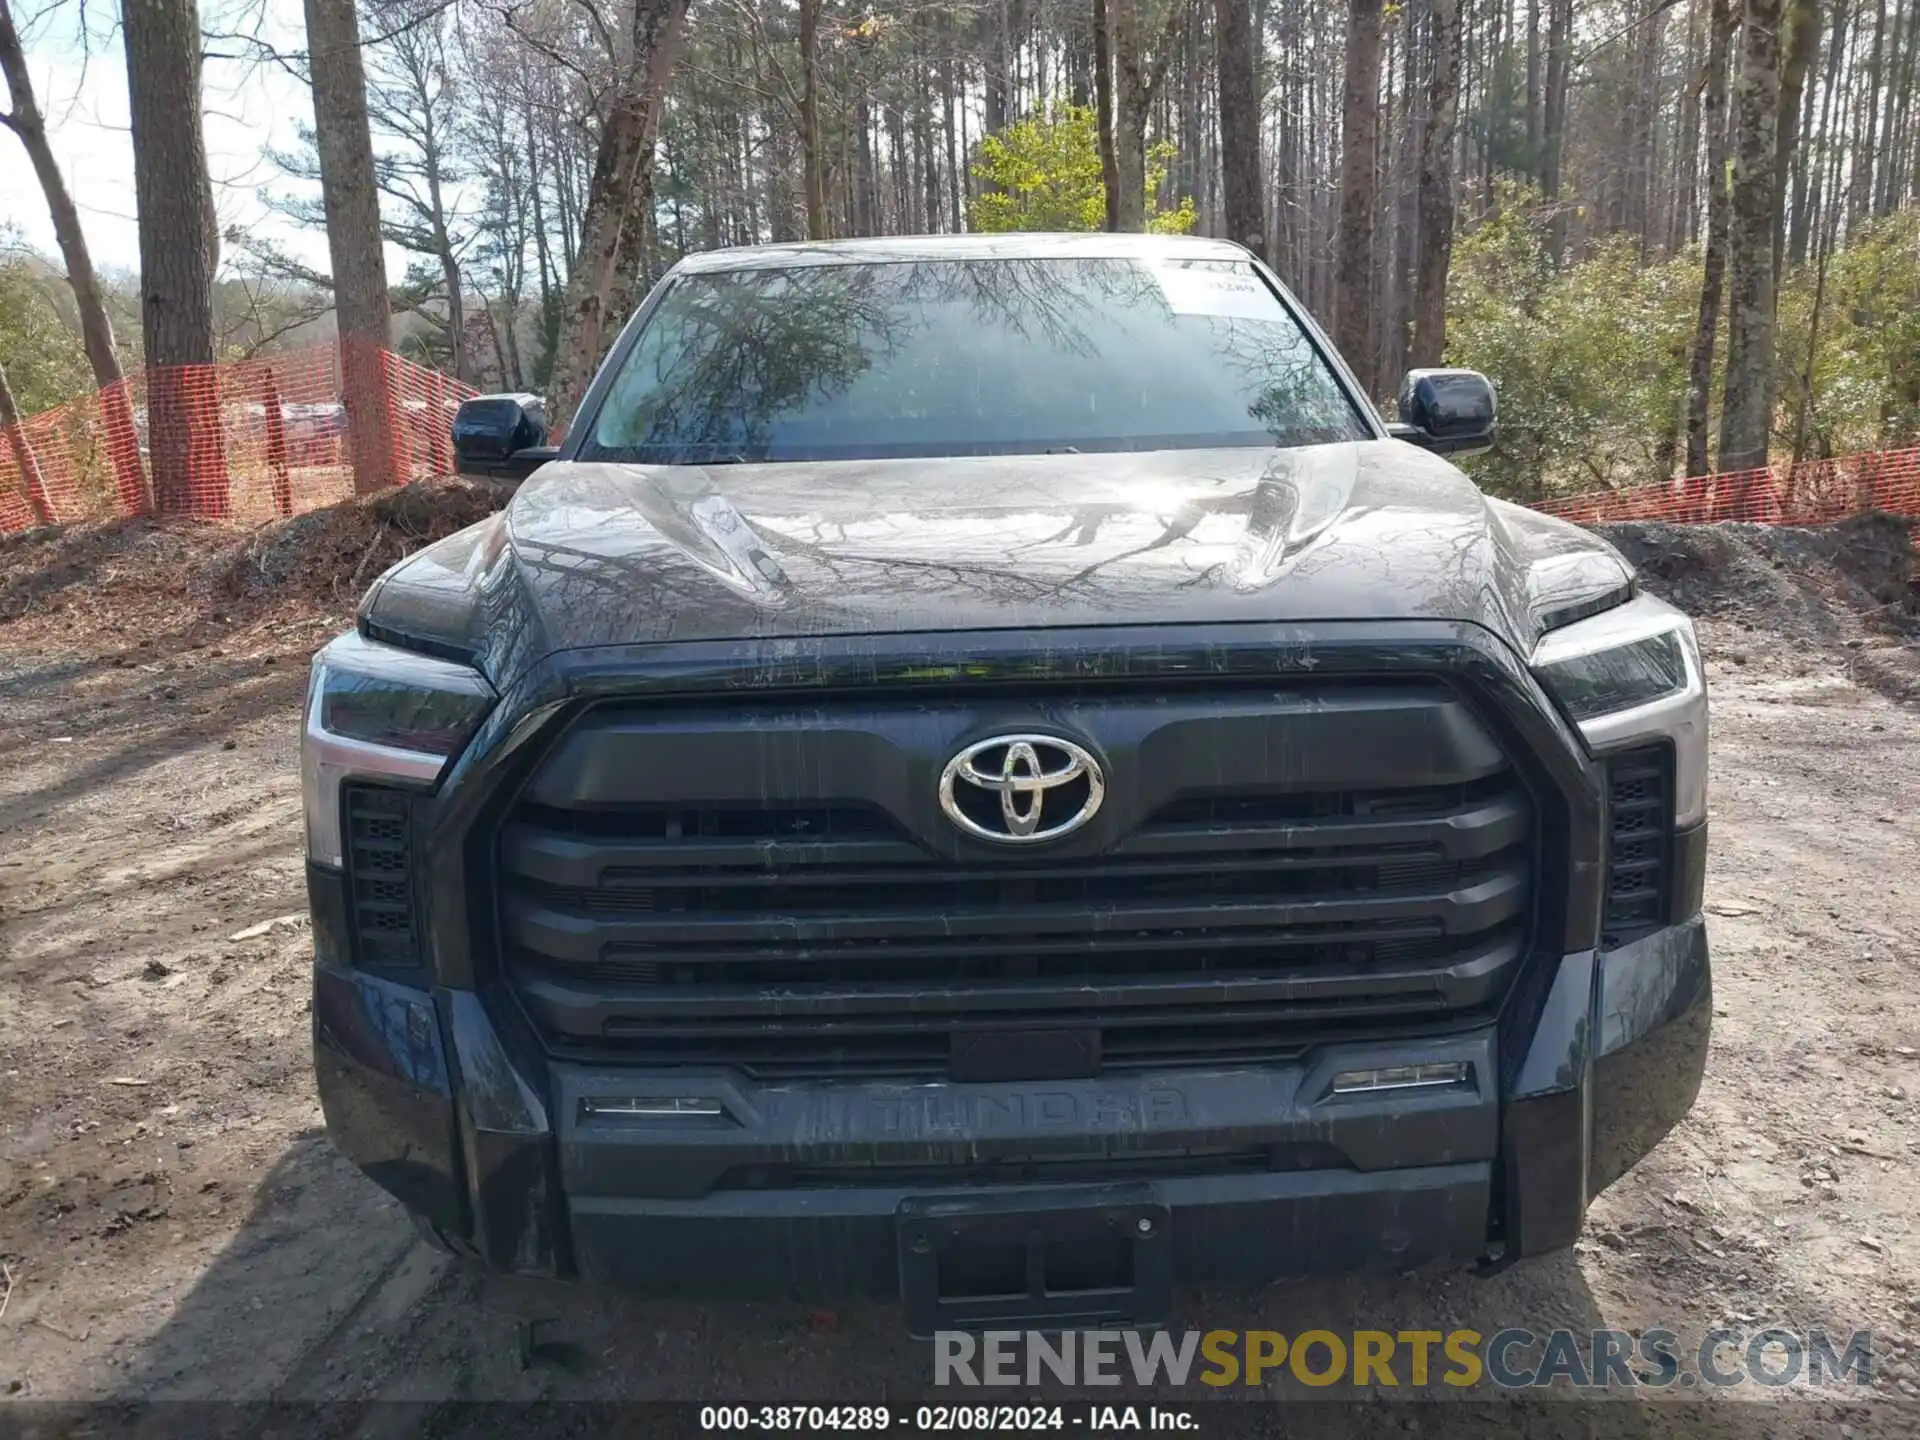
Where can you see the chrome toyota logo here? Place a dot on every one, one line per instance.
(1022, 788)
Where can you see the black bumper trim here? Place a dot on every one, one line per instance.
(1614, 1064)
(1226, 1230)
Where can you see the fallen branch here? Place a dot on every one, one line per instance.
(366, 559)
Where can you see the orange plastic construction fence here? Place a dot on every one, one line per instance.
(1810, 493)
(258, 438)
(247, 440)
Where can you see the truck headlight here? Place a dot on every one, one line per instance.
(1623, 677)
(379, 712)
(1629, 676)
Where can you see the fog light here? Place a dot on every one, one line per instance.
(653, 1107)
(1401, 1077)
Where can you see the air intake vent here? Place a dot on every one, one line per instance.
(1639, 843)
(386, 935)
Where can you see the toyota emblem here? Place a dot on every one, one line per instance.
(1022, 788)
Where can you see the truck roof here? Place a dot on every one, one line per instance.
(892, 249)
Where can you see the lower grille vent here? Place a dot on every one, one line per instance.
(386, 932)
(1639, 842)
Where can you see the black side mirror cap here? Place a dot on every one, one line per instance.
(1450, 412)
(501, 437)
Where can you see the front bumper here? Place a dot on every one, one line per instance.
(795, 1189)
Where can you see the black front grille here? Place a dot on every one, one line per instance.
(1639, 843)
(379, 863)
(1237, 921)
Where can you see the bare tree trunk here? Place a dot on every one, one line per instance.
(1801, 40)
(25, 462)
(1234, 49)
(632, 271)
(1866, 156)
(1818, 199)
(622, 171)
(96, 330)
(1804, 401)
(352, 202)
(1533, 88)
(929, 165)
(443, 250)
(998, 45)
(1713, 118)
(1637, 208)
(1894, 175)
(1408, 112)
(179, 248)
(866, 220)
(1683, 202)
(1746, 413)
(1128, 201)
(1136, 84)
(1553, 135)
(956, 203)
(813, 163)
(1103, 108)
(1434, 249)
(1359, 189)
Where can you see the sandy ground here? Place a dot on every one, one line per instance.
(173, 1222)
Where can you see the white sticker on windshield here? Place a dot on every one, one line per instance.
(1214, 292)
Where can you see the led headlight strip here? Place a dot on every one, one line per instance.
(379, 712)
(1631, 676)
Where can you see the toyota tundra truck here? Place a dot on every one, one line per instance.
(982, 774)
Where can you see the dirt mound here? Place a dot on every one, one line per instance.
(1801, 582)
(327, 557)
(164, 584)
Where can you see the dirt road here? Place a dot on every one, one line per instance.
(173, 1222)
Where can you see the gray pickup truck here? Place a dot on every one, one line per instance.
(982, 774)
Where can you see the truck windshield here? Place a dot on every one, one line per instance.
(968, 357)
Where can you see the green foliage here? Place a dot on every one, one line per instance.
(1865, 381)
(1590, 361)
(45, 362)
(1044, 174)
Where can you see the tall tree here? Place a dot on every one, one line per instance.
(1802, 22)
(1103, 109)
(179, 248)
(1359, 190)
(1434, 247)
(1713, 119)
(1234, 54)
(1137, 79)
(96, 330)
(812, 161)
(621, 187)
(1809, 168)
(1553, 121)
(1746, 411)
(411, 102)
(351, 199)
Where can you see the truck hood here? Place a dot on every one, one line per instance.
(596, 554)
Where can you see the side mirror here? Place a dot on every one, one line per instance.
(501, 437)
(1450, 412)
